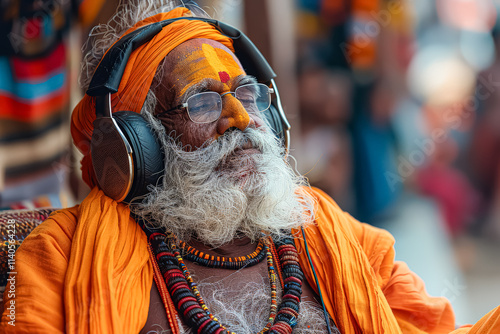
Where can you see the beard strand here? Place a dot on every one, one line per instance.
(219, 191)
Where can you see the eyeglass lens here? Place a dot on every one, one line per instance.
(253, 97)
(206, 107)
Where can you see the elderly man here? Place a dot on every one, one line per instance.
(222, 243)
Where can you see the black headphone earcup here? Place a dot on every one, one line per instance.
(147, 152)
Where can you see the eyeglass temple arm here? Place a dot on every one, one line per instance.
(284, 121)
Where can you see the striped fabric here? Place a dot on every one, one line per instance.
(34, 97)
(34, 114)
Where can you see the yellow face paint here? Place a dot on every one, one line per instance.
(207, 62)
(194, 62)
(215, 62)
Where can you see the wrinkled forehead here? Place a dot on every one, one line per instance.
(198, 59)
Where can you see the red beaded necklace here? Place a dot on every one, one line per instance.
(191, 307)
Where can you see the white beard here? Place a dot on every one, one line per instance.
(246, 309)
(219, 192)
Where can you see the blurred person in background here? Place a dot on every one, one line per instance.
(446, 117)
(485, 146)
(325, 98)
(369, 41)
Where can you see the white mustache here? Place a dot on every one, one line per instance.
(209, 194)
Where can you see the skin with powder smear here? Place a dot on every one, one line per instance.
(195, 66)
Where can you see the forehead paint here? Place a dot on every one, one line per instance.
(224, 77)
(215, 62)
(207, 62)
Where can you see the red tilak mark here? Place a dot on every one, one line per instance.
(224, 77)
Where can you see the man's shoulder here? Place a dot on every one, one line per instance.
(57, 230)
(322, 201)
(60, 220)
(319, 195)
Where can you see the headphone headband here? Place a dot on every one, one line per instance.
(108, 74)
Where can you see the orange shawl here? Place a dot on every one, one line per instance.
(364, 289)
(77, 274)
(85, 269)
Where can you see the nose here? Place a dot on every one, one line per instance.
(233, 116)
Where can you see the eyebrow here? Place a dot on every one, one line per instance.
(204, 85)
(243, 80)
(209, 84)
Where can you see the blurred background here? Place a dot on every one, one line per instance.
(394, 106)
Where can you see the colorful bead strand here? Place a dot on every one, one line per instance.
(191, 306)
(192, 254)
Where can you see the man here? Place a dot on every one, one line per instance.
(195, 259)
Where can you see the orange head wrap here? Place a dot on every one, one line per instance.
(138, 76)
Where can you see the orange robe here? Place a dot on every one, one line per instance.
(364, 289)
(86, 269)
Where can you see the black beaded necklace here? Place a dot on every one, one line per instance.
(196, 314)
(192, 254)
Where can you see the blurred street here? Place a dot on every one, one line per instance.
(466, 271)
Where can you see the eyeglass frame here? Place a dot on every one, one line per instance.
(185, 104)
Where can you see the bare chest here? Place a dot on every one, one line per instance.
(241, 299)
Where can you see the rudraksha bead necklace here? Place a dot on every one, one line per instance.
(194, 311)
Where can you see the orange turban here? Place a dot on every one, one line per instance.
(138, 76)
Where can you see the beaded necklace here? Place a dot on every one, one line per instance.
(212, 261)
(194, 311)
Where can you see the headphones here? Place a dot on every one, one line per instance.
(126, 156)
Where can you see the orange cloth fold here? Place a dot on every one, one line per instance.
(138, 76)
(85, 269)
(489, 324)
(41, 263)
(109, 275)
(363, 288)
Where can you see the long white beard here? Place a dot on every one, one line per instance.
(217, 192)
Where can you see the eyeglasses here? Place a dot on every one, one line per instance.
(206, 107)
